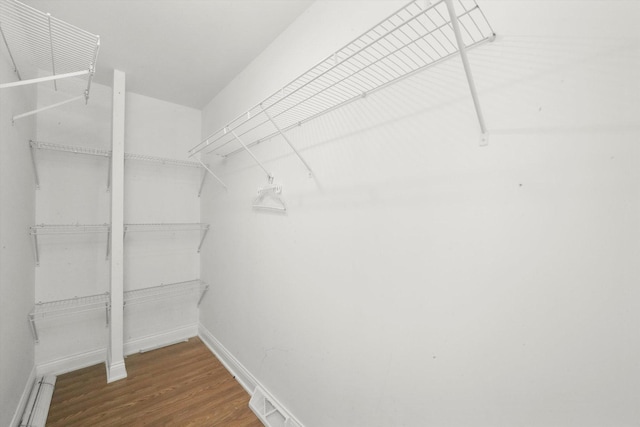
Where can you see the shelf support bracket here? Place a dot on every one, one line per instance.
(35, 247)
(204, 291)
(58, 104)
(109, 175)
(34, 331)
(33, 163)
(467, 69)
(206, 230)
(212, 174)
(15, 67)
(204, 178)
(306, 165)
(269, 176)
(108, 243)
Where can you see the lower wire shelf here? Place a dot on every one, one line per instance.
(77, 305)
(68, 307)
(165, 291)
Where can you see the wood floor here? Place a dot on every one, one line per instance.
(180, 385)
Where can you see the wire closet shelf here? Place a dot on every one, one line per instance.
(43, 48)
(166, 291)
(42, 145)
(68, 307)
(414, 38)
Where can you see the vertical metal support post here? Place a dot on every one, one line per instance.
(204, 177)
(212, 174)
(15, 67)
(53, 64)
(287, 140)
(33, 163)
(467, 69)
(206, 230)
(269, 176)
(32, 324)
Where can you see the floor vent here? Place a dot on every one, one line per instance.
(269, 412)
(37, 409)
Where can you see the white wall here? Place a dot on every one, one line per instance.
(17, 211)
(422, 280)
(74, 190)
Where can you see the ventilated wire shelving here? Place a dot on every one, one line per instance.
(57, 229)
(49, 146)
(197, 288)
(416, 37)
(67, 307)
(43, 48)
(159, 227)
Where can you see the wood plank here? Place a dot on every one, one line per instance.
(183, 384)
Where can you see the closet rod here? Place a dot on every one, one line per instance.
(30, 113)
(45, 79)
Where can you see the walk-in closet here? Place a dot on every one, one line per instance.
(317, 213)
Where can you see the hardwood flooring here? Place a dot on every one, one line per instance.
(180, 385)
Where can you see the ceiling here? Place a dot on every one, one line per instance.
(181, 51)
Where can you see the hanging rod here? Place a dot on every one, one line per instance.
(164, 291)
(39, 43)
(67, 307)
(414, 38)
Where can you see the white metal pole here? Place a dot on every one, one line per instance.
(269, 176)
(287, 140)
(465, 63)
(212, 174)
(44, 79)
(39, 110)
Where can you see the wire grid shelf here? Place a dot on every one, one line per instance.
(69, 306)
(166, 291)
(41, 145)
(186, 226)
(416, 37)
(39, 44)
(41, 229)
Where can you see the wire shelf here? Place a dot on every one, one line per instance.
(39, 43)
(41, 145)
(166, 291)
(187, 226)
(68, 307)
(414, 38)
(42, 229)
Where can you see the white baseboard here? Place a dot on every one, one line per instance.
(72, 363)
(151, 342)
(24, 398)
(239, 372)
(242, 374)
(94, 357)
